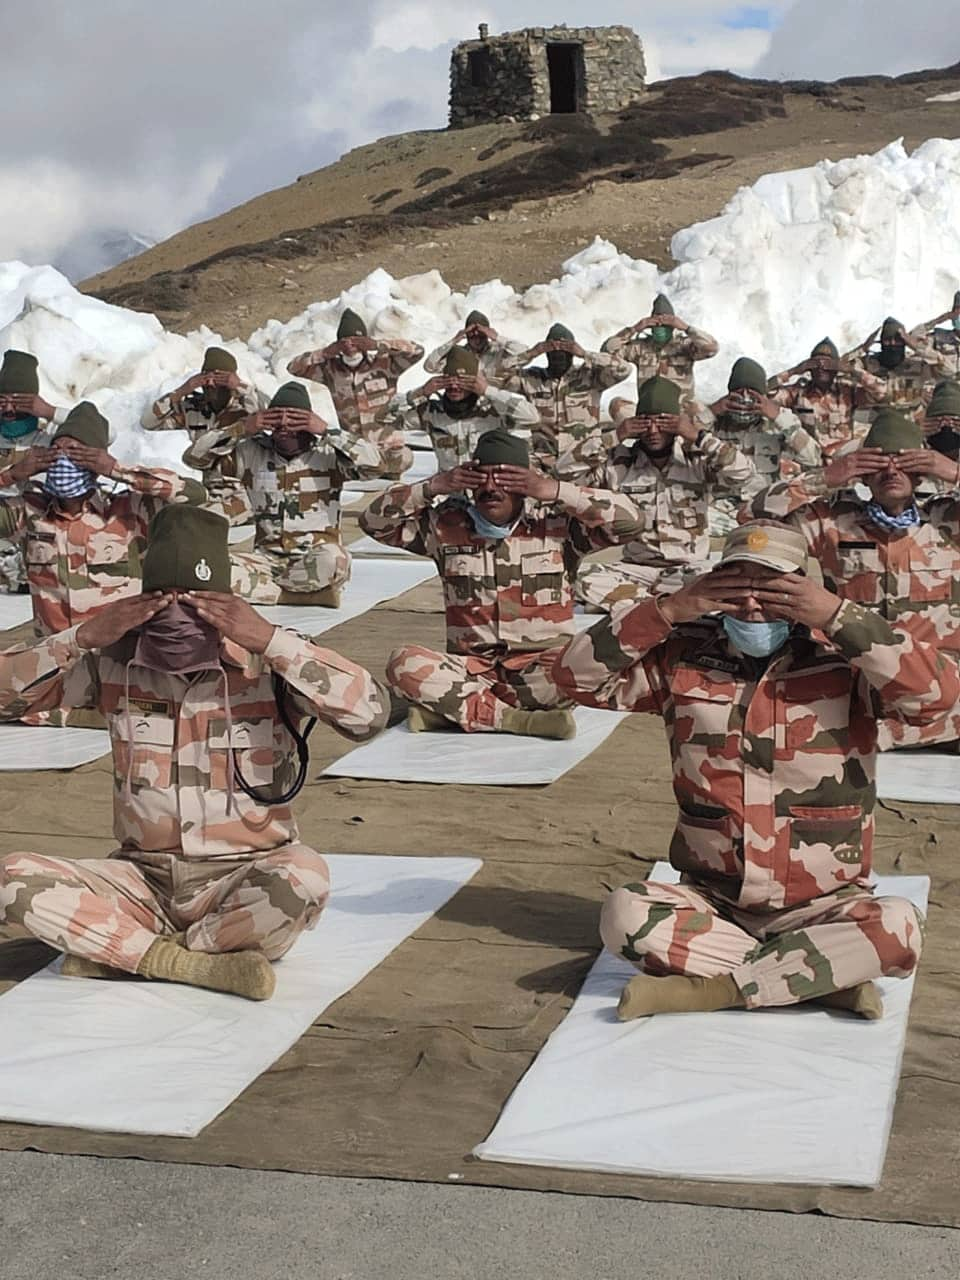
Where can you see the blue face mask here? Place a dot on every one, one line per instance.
(495, 532)
(17, 428)
(759, 639)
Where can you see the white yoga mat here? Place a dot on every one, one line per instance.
(24, 746)
(371, 582)
(14, 610)
(160, 1058)
(798, 1095)
(926, 777)
(481, 759)
(371, 548)
(424, 466)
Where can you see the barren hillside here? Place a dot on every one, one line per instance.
(515, 200)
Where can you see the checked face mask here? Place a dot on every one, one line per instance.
(64, 479)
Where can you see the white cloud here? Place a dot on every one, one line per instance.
(425, 25)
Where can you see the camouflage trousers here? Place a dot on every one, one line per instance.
(604, 585)
(260, 576)
(474, 692)
(112, 910)
(775, 957)
(13, 571)
(395, 456)
(227, 496)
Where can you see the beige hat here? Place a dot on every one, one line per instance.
(768, 543)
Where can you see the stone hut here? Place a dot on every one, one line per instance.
(545, 70)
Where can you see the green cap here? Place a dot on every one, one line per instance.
(658, 395)
(87, 424)
(499, 447)
(662, 306)
(825, 347)
(351, 326)
(292, 395)
(891, 328)
(461, 360)
(560, 333)
(945, 402)
(747, 375)
(18, 374)
(892, 431)
(216, 360)
(186, 551)
(476, 317)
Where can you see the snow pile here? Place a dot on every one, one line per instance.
(828, 250)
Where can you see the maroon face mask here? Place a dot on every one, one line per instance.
(178, 641)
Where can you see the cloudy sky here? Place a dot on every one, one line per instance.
(142, 116)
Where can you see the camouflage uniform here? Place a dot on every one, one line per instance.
(674, 359)
(196, 853)
(296, 507)
(778, 450)
(454, 439)
(568, 406)
(78, 563)
(509, 604)
(773, 771)
(828, 414)
(491, 361)
(909, 576)
(225, 492)
(674, 506)
(361, 395)
(909, 386)
(13, 570)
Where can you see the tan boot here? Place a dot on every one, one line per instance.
(327, 598)
(241, 973)
(863, 999)
(678, 993)
(539, 724)
(420, 720)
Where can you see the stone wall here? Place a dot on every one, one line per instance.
(509, 75)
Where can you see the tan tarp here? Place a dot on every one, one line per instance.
(405, 1074)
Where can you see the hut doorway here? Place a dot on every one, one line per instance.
(564, 63)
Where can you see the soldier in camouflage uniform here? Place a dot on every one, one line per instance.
(483, 340)
(23, 413)
(769, 435)
(660, 352)
(457, 407)
(946, 340)
(211, 881)
(667, 464)
(212, 399)
(293, 470)
(890, 554)
(909, 379)
(83, 545)
(941, 421)
(825, 393)
(361, 375)
(770, 688)
(507, 557)
(566, 396)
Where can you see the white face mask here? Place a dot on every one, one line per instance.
(352, 361)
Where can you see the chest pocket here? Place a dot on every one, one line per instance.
(108, 556)
(250, 743)
(143, 748)
(685, 510)
(542, 578)
(861, 572)
(703, 704)
(812, 712)
(933, 575)
(41, 551)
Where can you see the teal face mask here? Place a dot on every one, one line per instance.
(485, 529)
(759, 639)
(17, 428)
(661, 334)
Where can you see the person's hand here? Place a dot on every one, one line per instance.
(113, 621)
(525, 481)
(486, 330)
(456, 480)
(233, 617)
(685, 426)
(223, 378)
(641, 325)
(868, 342)
(562, 344)
(928, 462)
(793, 597)
(839, 471)
(768, 407)
(933, 426)
(673, 322)
(726, 404)
(722, 590)
(193, 383)
(475, 386)
(254, 423)
(436, 386)
(100, 461)
(26, 406)
(538, 350)
(33, 462)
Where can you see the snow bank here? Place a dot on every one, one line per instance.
(826, 250)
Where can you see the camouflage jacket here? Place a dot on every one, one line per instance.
(909, 576)
(360, 396)
(491, 360)
(295, 501)
(910, 385)
(675, 360)
(454, 439)
(514, 596)
(568, 407)
(773, 765)
(828, 415)
(778, 450)
(78, 563)
(673, 501)
(174, 787)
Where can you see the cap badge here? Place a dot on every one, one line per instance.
(757, 540)
(202, 571)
